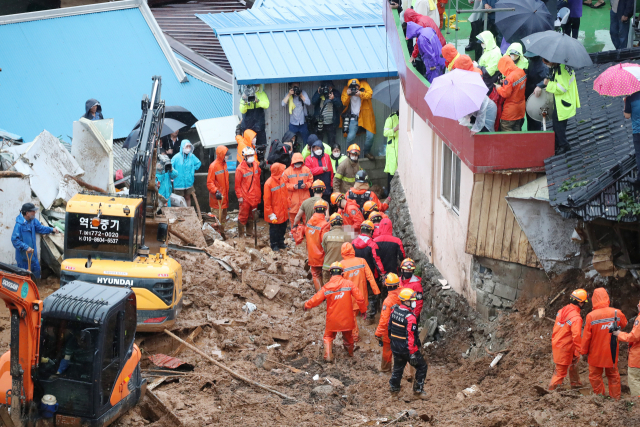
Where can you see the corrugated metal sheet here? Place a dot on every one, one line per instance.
(305, 3)
(57, 64)
(180, 22)
(319, 42)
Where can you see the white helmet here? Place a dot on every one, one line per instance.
(248, 151)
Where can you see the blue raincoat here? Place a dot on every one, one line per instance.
(186, 167)
(430, 49)
(165, 184)
(23, 238)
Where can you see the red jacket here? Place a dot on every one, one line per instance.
(338, 292)
(391, 249)
(276, 196)
(218, 179)
(318, 173)
(566, 340)
(415, 283)
(596, 338)
(352, 215)
(362, 242)
(411, 15)
(512, 89)
(248, 183)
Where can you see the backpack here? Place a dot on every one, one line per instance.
(360, 199)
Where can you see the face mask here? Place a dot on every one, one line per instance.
(298, 165)
(335, 156)
(483, 45)
(187, 151)
(354, 158)
(317, 152)
(407, 274)
(514, 57)
(413, 304)
(250, 159)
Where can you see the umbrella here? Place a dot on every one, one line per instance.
(529, 17)
(169, 126)
(180, 114)
(456, 94)
(618, 80)
(559, 48)
(388, 92)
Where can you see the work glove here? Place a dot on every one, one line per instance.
(380, 343)
(273, 218)
(218, 195)
(414, 359)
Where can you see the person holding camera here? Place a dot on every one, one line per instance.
(218, 183)
(327, 110)
(253, 102)
(358, 112)
(297, 101)
(165, 175)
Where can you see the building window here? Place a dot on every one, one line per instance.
(451, 178)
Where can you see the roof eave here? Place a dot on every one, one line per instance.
(318, 77)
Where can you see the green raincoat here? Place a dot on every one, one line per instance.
(491, 54)
(391, 164)
(516, 48)
(565, 91)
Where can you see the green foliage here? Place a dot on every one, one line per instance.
(629, 204)
(571, 183)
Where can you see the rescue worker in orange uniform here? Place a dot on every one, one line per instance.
(361, 192)
(306, 208)
(357, 270)
(405, 344)
(338, 293)
(596, 343)
(371, 207)
(350, 211)
(566, 341)
(512, 90)
(247, 191)
(276, 206)
(246, 140)
(299, 179)
(218, 183)
(633, 338)
(411, 281)
(391, 281)
(313, 232)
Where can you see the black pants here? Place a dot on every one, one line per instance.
(330, 131)
(389, 178)
(533, 124)
(476, 28)
(276, 235)
(261, 137)
(636, 145)
(399, 362)
(572, 27)
(560, 129)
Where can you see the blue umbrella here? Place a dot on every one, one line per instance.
(529, 17)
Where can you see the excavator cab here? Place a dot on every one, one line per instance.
(84, 356)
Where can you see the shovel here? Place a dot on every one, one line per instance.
(220, 217)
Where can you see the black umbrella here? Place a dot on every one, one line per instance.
(180, 114)
(559, 48)
(529, 17)
(169, 126)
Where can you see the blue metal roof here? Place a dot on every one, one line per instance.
(306, 3)
(52, 66)
(318, 42)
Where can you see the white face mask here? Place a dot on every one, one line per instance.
(250, 159)
(354, 158)
(483, 45)
(413, 304)
(317, 152)
(514, 57)
(187, 150)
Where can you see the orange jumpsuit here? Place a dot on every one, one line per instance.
(596, 341)
(314, 231)
(293, 176)
(565, 344)
(351, 215)
(276, 197)
(340, 316)
(218, 180)
(382, 329)
(245, 140)
(357, 270)
(247, 189)
(512, 89)
(383, 206)
(633, 338)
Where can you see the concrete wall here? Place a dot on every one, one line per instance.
(441, 230)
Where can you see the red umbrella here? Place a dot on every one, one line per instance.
(618, 80)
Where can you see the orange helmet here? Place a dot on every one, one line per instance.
(336, 219)
(320, 206)
(370, 206)
(336, 198)
(353, 148)
(408, 265)
(408, 295)
(579, 295)
(336, 268)
(367, 226)
(392, 280)
(375, 217)
(318, 185)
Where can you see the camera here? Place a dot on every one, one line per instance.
(168, 167)
(345, 123)
(324, 90)
(353, 88)
(296, 90)
(250, 92)
(320, 124)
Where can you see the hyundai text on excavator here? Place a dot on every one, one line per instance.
(72, 358)
(104, 239)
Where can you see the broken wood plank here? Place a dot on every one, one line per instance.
(558, 296)
(493, 214)
(484, 214)
(190, 339)
(501, 218)
(181, 236)
(155, 400)
(11, 174)
(474, 214)
(510, 220)
(86, 185)
(156, 383)
(221, 366)
(524, 246)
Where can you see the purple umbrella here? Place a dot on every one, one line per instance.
(456, 94)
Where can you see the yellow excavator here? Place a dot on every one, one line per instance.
(104, 239)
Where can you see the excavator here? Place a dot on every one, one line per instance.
(104, 240)
(72, 360)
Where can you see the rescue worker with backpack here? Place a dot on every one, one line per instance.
(566, 340)
(413, 282)
(248, 191)
(361, 192)
(338, 293)
(366, 248)
(392, 283)
(350, 211)
(405, 344)
(314, 232)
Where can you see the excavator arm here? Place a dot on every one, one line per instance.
(21, 296)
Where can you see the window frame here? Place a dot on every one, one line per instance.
(453, 180)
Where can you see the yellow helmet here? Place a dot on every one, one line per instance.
(320, 206)
(317, 185)
(579, 295)
(392, 280)
(375, 217)
(369, 206)
(408, 265)
(336, 219)
(408, 295)
(336, 268)
(354, 147)
(367, 226)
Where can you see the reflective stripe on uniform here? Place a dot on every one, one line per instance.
(304, 174)
(400, 338)
(336, 291)
(292, 176)
(561, 88)
(355, 267)
(221, 171)
(278, 187)
(314, 227)
(609, 319)
(397, 324)
(247, 174)
(523, 78)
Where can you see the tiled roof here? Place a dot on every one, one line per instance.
(122, 157)
(585, 182)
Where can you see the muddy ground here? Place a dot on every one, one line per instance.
(349, 392)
